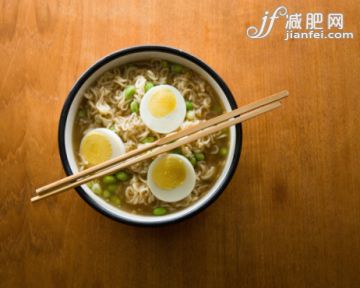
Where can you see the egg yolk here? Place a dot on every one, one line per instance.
(162, 103)
(95, 148)
(169, 173)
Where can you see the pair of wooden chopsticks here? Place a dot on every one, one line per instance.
(162, 145)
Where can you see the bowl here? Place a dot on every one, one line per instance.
(130, 55)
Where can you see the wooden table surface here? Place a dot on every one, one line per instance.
(289, 218)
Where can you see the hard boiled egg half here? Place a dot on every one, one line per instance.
(171, 177)
(163, 109)
(99, 145)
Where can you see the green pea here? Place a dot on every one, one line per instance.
(148, 139)
(176, 68)
(164, 64)
(189, 105)
(159, 211)
(148, 86)
(109, 179)
(177, 150)
(134, 106)
(223, 151)
(199, 156)
(106, 194)
(111, 188)
(129, 92)
(122, 176)
(81, 113)
(193, 161)
(115, 200)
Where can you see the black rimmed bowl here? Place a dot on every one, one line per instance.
(130, 55)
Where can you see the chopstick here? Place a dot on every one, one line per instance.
(167, 139)
(167, 147)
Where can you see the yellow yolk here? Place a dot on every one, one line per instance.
(162, 103)
(169, 173)
(96, 148)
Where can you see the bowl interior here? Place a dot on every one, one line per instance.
(69, 151)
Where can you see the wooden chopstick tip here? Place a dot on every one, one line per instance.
(35, 198)
(285, 93)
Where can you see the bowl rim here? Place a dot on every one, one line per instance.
(121, 53)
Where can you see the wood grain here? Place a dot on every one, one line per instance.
(289, 218)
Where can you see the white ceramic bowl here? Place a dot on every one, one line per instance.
(130, 55)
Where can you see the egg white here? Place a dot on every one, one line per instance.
(178, 193)
(168, 123)
(117, 145)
